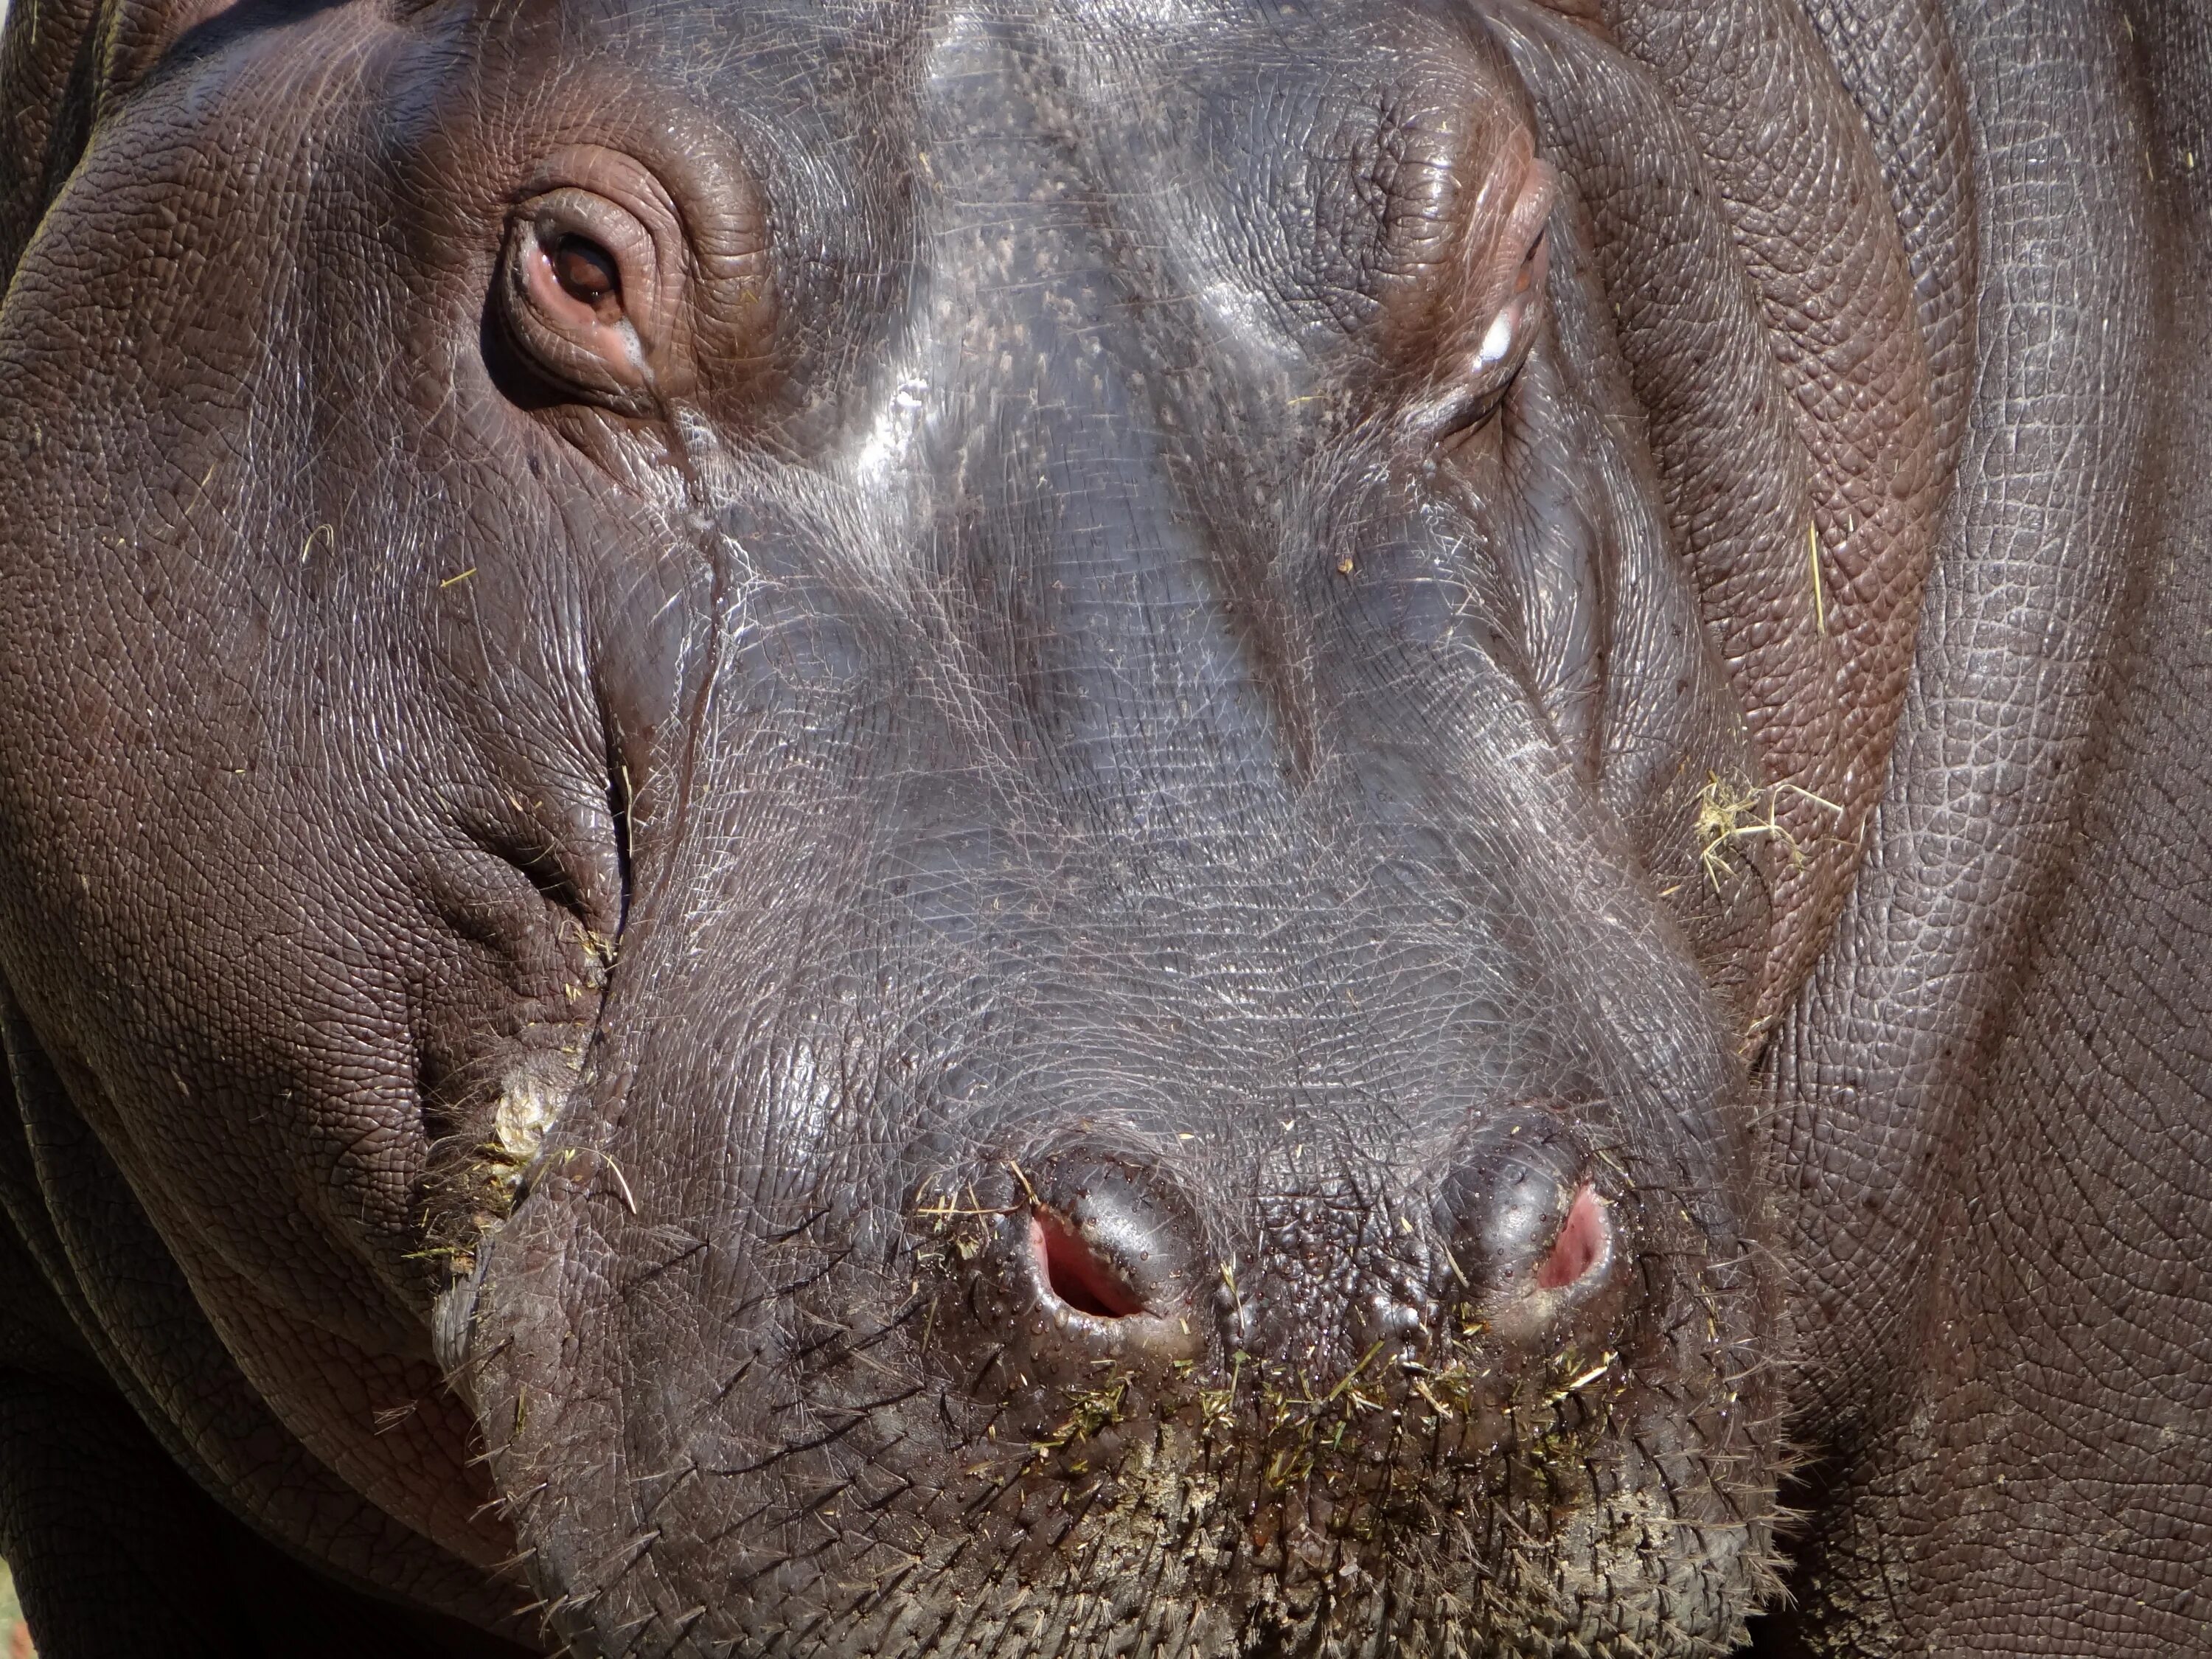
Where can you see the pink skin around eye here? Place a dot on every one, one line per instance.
(602, 331)
(1581, 1244)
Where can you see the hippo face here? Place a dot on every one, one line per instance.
(994, 798)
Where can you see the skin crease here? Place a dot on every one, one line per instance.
(880, 828)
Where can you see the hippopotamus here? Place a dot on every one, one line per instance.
(1071, 827)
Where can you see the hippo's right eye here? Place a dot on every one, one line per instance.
(592, 284)
(1490, 370)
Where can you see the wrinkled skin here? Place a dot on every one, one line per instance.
(1009, 827)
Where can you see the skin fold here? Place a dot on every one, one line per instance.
(1077, 827)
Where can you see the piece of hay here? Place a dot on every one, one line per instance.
(1729, 815)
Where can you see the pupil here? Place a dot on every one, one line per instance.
(585, 269)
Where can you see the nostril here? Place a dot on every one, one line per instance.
(1068, 1269)
(1057, 1263)
(1529, 1236)
(1584, 1242)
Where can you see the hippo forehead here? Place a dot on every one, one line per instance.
(1308, 152)
(941, 218)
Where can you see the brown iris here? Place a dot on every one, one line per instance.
(586, 270)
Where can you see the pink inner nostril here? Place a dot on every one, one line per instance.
(1073, 1274)
(1581, 1244)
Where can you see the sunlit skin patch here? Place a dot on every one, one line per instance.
(1068, 1270)
(1584, 1243)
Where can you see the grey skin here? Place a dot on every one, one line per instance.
(1152, 826)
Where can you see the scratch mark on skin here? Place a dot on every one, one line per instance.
(622, 1183)
(1819, 590)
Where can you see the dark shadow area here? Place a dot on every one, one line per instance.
(114, 1551)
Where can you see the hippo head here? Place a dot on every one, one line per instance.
(972, 820)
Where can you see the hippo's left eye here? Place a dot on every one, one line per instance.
(1488, 373)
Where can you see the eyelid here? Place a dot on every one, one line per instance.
(1488, 374)
(1463, 322)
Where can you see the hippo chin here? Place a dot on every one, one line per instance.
(1090, 827)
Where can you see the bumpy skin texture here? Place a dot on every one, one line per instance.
(1001, 826)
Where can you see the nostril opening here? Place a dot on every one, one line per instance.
(1072, 1273)
(1581, 1243)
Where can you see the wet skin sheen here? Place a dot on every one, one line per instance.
(1089, 827)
